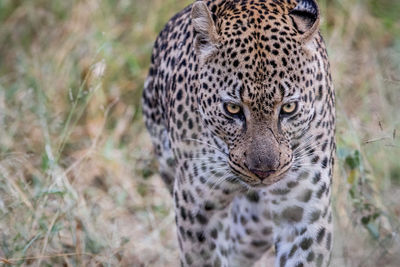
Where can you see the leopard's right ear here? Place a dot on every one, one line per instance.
(206, 37)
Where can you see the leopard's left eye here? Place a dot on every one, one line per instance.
(289, 108)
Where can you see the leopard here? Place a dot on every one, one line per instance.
(240, 107)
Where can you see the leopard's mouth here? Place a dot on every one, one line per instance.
(256, 179)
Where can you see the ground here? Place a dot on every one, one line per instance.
(78, 183)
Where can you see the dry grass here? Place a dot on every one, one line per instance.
(77, 179)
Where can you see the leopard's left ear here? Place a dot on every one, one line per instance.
(306, 17)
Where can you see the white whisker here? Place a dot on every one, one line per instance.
(205, 143)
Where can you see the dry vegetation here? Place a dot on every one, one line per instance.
(78, 185)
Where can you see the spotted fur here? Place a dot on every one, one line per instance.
(243, 183)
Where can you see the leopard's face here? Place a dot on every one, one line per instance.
(256, 94)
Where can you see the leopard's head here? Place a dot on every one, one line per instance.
(259, 79)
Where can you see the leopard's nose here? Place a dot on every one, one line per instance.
(263, 154)
(262, 174)
(263, 166)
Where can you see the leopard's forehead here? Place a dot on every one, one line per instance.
(234, 18)
(260, 7)
(260, 58)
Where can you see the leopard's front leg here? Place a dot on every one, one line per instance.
(303, 220)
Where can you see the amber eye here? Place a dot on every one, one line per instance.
(289, 108)
(233, 109)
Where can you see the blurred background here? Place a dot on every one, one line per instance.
(78, 183)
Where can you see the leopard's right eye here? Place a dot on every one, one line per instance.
(232, 109)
